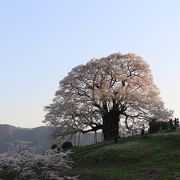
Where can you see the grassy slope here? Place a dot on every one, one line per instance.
(142, 158)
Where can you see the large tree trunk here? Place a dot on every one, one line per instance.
(111, 125)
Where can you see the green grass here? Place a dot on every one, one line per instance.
(152, 157)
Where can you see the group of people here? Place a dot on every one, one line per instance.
(176, 122)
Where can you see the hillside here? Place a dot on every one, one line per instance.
(40, 137)
(152, 157)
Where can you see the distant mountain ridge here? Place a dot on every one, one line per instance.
(41, 137)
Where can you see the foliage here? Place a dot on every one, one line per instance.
(155, 126)
(105, 92)
(21, 162)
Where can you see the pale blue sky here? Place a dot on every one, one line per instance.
(41, 41)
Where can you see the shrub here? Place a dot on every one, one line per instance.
(66, 145)
(155, 126)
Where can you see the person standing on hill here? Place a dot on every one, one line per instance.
(142, 130)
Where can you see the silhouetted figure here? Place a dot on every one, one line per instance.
(171, 125)
(142, 130)
(176, 122)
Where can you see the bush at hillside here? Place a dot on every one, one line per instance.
(66, 145)
(155, 126)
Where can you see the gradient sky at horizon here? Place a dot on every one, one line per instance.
(41, 41)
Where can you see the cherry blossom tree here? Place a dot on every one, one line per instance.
(103, 93)
(21, 162)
